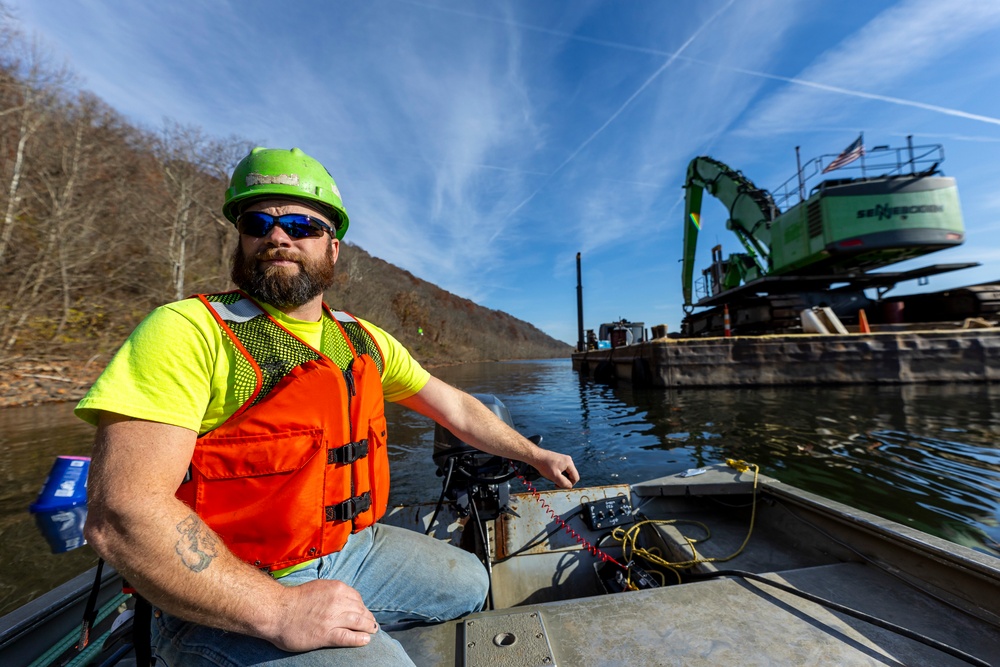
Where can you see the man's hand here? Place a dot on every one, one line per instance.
(555, 467)
(323, 613)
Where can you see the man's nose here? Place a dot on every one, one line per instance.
(278, 236)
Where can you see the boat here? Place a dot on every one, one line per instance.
(766, 574)
(709, 566)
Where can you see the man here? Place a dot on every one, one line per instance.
(240, 461)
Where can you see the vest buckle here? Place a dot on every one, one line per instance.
(348, 453)
(350, 508)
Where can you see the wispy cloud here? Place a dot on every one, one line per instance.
(645, 84)
(435, 186)
(900, 41)
(680, 117)
(924, 15)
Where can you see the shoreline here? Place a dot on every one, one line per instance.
(29, 382)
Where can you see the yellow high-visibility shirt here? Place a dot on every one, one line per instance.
(176, 368)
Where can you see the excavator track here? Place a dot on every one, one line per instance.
(975, 301)
(781, 313)
(756, 316)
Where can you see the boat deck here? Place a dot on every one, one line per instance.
(726, 622)
(550, 608)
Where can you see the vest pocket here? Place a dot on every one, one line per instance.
(263, 493)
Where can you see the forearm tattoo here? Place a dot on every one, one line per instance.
(197, 546)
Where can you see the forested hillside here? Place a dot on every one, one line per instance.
(100, 221)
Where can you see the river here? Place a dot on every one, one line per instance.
(923, 455)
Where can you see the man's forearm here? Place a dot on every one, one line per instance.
(179, 564)
(471, 421)
(176, 561)
(480, 428)
(157, 542)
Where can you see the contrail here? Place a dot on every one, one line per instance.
(677, 56)
(544, 31)
(858, 93)
(670, 60)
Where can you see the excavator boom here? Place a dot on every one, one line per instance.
(751, 211)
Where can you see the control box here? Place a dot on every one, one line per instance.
(616, 580)
(601, 514)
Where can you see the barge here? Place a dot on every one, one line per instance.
(882, 357)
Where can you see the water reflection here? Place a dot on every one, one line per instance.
(922, 455)
(30, 440)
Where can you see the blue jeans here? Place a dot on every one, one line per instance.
(401, 575)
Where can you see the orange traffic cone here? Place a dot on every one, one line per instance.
(863, 322)
(727, 331)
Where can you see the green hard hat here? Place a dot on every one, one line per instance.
(275, 172)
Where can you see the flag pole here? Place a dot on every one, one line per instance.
(802, 186)
(581, 345)
(862, 138)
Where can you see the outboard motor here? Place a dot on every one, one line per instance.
(474, 476)
(476, 483)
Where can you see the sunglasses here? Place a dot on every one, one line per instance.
(296, 225)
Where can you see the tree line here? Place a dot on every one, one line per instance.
(102, 220)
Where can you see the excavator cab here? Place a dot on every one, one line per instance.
(725, 274)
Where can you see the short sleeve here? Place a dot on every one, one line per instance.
(161, 373)
(403, 375)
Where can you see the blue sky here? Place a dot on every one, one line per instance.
(481, 145)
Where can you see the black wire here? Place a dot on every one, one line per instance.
(600, 540)
(90, 611)
(444, 489)
(486, 551)
(868, 618)
(541, 538)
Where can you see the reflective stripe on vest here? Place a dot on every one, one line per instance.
(302, 463)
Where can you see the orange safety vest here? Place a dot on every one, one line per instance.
(302, 463)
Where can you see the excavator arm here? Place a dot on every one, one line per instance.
(751, 211)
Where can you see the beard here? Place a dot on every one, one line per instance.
(282, 287)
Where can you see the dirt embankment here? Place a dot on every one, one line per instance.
(32, 382)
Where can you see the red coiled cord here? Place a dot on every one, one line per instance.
(580, 539)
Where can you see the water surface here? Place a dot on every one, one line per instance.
(923, 455)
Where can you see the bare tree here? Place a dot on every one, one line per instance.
(195, 170)
(32, 88)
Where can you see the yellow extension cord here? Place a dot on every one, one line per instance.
(630, 550)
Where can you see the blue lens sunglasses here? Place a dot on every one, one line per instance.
(296, 225)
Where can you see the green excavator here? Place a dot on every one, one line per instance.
(821, 249)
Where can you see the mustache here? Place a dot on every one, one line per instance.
(271, 254)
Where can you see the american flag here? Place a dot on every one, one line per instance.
(849, 155)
